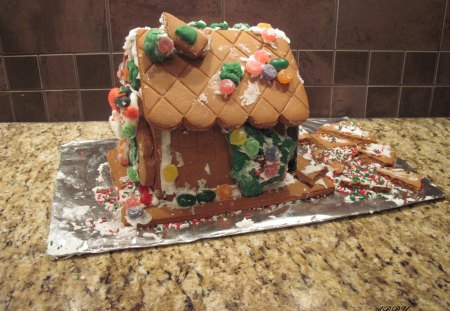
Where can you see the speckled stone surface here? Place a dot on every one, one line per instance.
(398, 258)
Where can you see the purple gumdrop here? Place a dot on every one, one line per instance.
(269, 72)
(271, 154)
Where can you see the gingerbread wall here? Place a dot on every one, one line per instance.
(373, 58)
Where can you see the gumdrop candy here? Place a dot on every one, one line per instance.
(271, 154)
(224, 192)
(253, 67)
(165, 45)
(238, 137)
(269, 72)
(131, 112)
(227, 87)
(251, 147)
(132, 174)
(284, 76)
(146, 198)
(261, 56)
(132, 201)
(279, 63)
(170, 173)
(264, 25)
(129, 131)
(113, 93)
(206, 196)
(269, 35)
(271, 170)
(186, 199)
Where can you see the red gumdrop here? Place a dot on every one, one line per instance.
(113, 93)
(146, 198)
(142, 188)
(132, 201)
(165, 45)
(261, 56)
(269, 35)
(253, 67)
(271, 170)
(227, 87)
(131, 112)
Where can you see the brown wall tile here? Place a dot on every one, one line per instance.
(95, 105)
(3, 83)
(309, 24)
(349, 101)
(53, 26)
(6, 114)
(419, 68)
(351, 67)
(319, 101)
(58, 72)
(443, 73)
(446, 33)
(414, 102)
(125, 17)
(63, 106)
(23, 73)
(387, 24)
(441, 102)
(386, 68)
(316, 67)
(29, 106)
(382, 102)
(94, 71)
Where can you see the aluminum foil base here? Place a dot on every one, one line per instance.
(79, 225)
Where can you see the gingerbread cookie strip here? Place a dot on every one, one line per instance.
(377, 153)
(329, 141)
(409, 180)
(308, 172)
(348, 129)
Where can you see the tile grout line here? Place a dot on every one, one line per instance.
(44, 95)
(8, 89)
(330, 105)
(80, 106)
(108, 29)
(367, 83)
(436, 67)
(222, 9)
(401, 84)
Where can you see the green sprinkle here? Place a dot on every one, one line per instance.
(187, 33)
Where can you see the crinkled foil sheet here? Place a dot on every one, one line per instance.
(75, 208)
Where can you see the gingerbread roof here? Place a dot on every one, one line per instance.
(184, 91)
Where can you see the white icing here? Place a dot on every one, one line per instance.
(322, 183)
(166, 159)
(245, 223)
(378, 149)
(75, 213)
(115, 124)
(179, 158)
(100, 172)
(143, 220)
(279, 33)
(214, 84)
(207, 170)
(310, 169)
(202, 98)
(201, 183)
(250, 94)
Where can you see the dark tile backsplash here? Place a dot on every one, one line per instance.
(374, 58)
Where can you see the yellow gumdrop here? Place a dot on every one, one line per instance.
(284, 76)
(170, 173)
(238, 137)
(264, 25)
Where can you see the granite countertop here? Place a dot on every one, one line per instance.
(392, 258)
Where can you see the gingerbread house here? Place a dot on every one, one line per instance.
(207, 119)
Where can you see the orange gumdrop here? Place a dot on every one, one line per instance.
(113, 93)
(284, 76)
(224, 192)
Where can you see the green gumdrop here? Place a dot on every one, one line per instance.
(132, 174)
(128, 131)
(133, 151)
(251, 147)
(249, 186)
(186, 199)
(134, 72)
(232, 71)
(223, 25)
(238, 159)
(279, 63)
(206, 196)
(241, 26)
(151, 46)
(187, 34)
(198, 24)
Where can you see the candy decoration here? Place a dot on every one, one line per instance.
(131, 112)
(186, 199)
(227, 87)
(279, 63)
(261, 56)
(135, 212)
(132, 174)
(251, 147)
(269, 35)
(129, 131)
(284, 76)
(133, 76)
(264, 25)
(223, 25)
(151, 45)
(187, 33)
(224, 192)
(238, 137)
(133, 156)
(170, 173)
(253, 67)
(271, 170)
(206, 196)
(232, 71)
(269, 72)
(122, 101)
(132, 201)
(165, 45)
(113, 93)
(241, 26)
(146, 198)
(271, 154)
(142, 189)
(199, 24)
